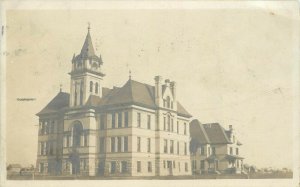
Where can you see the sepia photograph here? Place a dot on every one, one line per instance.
(160, 93)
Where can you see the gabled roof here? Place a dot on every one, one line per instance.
(216, 133)
(132, 93)
(212, 133)
(197, 132)
(61, 100)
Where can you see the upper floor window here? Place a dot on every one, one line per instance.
(202, 150)
(102, 121)
(213, 149)
(185, 148)
(149, 122)
(126, 119)
(91, 86)
(178, 127)
(113, 123)
(184, 128)
(237, 151)
(231, 151)
(112, 144)
(119, 119)
(96, 87)
(172, 146)
(125, 143)
(165, 146)
(164, 123)
(139, 119)
(148, 145)
(138, 144)
(169, 121)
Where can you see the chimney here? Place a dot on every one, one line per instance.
(158, 96)
(173, 89)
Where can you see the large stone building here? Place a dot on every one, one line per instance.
(135, 130)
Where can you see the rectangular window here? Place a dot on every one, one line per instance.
(178, 148)
(126, 119)
(174, 165)
(237, 151)
(149, 166)
(178, 127)
(171, 146)
(169, 123)
(45, 148)
(149, 122)
(149, 145)
(139, 119)
(112, 144)
(85, 137)
(164, 164)
(51, 147)
(113, 167)
(184, 128)
(101, 145)
(172, 125)
(139, 167)
(126, 144)
(213, 149)
(41, 167)
(186, 167)
(202, 164)
(68, 141)
(119, 144)
(165, 146)
(123, 166)
(119, 120)
(202, 150)
(179, 166)
(194, 165)
(164, 123)
(102, 121)
(138, 144)
(185, 148)
(52, 127)
(113, 122)
(231, 151)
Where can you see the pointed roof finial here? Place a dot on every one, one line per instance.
(129, 74)
(89, 26)
(60, 88)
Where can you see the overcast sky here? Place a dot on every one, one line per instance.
(231, 66)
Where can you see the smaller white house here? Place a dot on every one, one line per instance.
(214, 149)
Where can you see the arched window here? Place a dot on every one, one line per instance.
(168, 102)
(77, 133)
(96, 87)
(91, 86)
